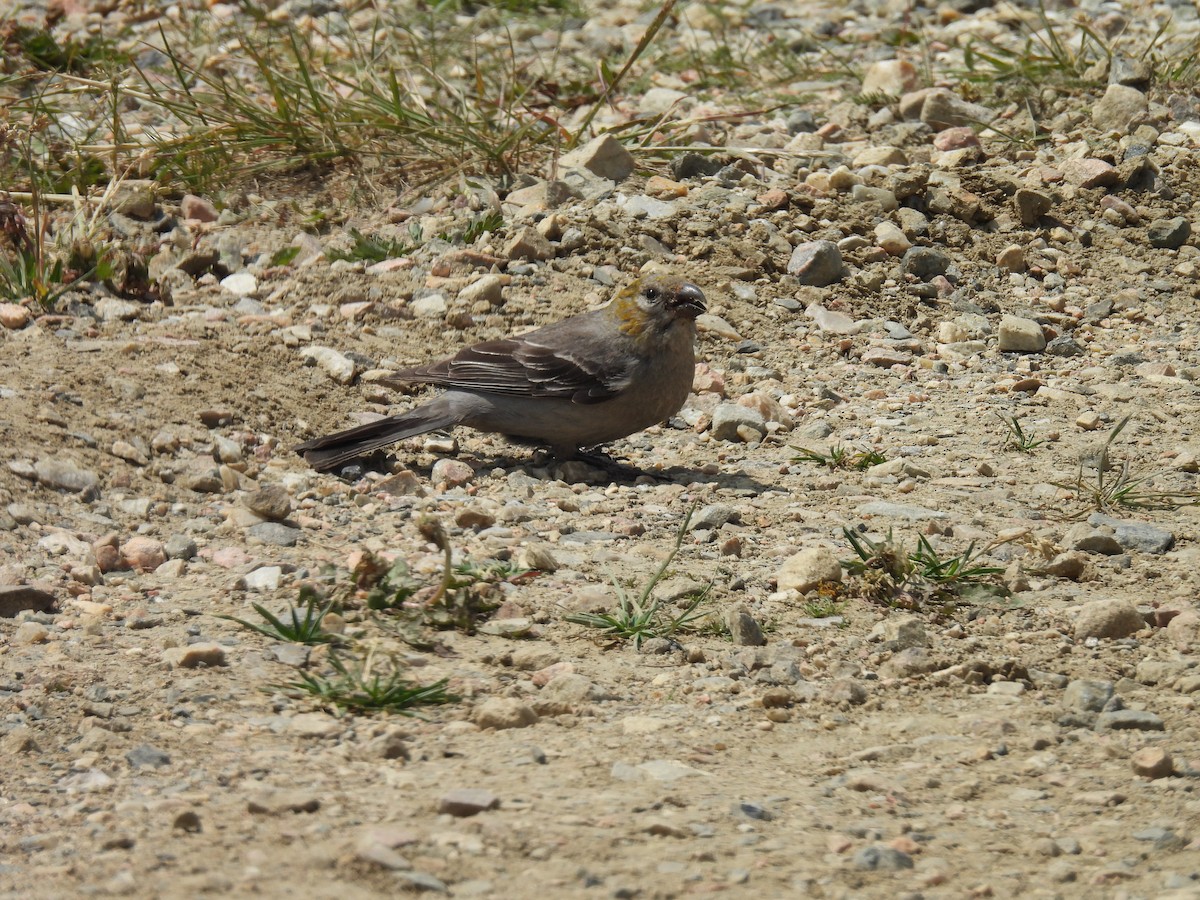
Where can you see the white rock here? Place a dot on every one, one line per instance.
(805, 570)
(340, 368)
(1018, 335)
(240, 284)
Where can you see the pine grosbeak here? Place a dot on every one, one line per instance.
(583, 381)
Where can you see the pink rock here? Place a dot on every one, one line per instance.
(708, 380)
(230, 557)
(1090, 173)
(143, 553)
(108, 558)
(13, 316)
(956, 138)
(542, 677)
(451, 472)
(197, 208)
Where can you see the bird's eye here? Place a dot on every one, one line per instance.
(651, 293)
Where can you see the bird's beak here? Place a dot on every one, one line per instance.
(688, 300)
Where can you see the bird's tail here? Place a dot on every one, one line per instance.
(333, 450)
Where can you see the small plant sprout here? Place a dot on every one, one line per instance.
(840, 457)
(639, 618)
(1116, 486)
(1016, 438)
(369, 685)
(303, 625)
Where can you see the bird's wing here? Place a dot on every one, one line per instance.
(554, 362)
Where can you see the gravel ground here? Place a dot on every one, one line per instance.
(889, 276)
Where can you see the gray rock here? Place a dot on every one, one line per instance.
(146, 756)
(604, 156)
(908, 511)
(1065, 346)
(465, 802)
(1138, 536)
(713, 517)
(1118, 108)
(271, 501)
(65, 475)
(528, 243)
(817, 263)
(1129, 720)
(274, 533)
(1085, 538)
(1031, 205)
(502, 713)
(1170, 234)
(730, 422)
(179, 546)
(880, 857)
(925, 262)
(743, 629)
(263, 579)
(1086, 695)
(17, 598)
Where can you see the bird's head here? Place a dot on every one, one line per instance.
(657, 300)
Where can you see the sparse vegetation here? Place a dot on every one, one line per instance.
(840, 456)
(1114, 486)
(638, 618)
(887, 574)
(369, 685)
(303, 624)
(1017, 439)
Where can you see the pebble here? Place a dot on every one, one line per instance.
(240, 284)
(604, 156)
(1152, 762)
(808, 569)
(502, 713)
(744, 631)
(1129, 720)
(17, 598)
(195, 655)
(145, 756)
(65, 475)
(271, 501)
(734, 422)
(1169, 234)
(336, 365)
(926, 262)
(1107, 618)
(14, 316)
(275, 534)
(817, 263)
(464, 802)
(264, 579)
(143, 553)
(1119, 108)
(1018, 335)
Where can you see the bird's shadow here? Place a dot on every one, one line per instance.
(590, 468)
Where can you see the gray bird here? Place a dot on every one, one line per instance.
(586, 380)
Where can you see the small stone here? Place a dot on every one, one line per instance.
(240, 284)
(743, 629)
(885, 357)
(188, 821)
(1088, 421)
(143, 553)
(1169, 234)
(146, 756)
(529, 244)
(943, 109)
(465, 802)
(64, 475)
(817, 263)
(926, 262)
(959, 138)
(275, 534)
(502, 713)
(128, 452)
(880, 156)
(1119, 108)
(729, 419)
(1071, 565)
(1031, 205)
(1108, 618)
(1018, 335)
(179, 546)
(430, 306)
(264, 579)
(893, 241)
(195, 655)
(17, 598)
(1085, 695)
(452, 473)
(1129, 720)
(271, 501)
(31, 633)
(197, 209)
(336, 365)
(890, 76)
(488, 289)
(1152, 762)
(14, 316)
(809, 569)
(1011, 258)
(1091, 173)
(604, 156)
